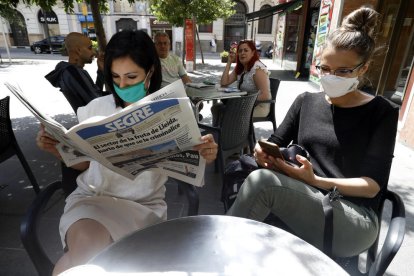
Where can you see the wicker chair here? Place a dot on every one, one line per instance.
(274, 86)
(234, 132)
(8, 142)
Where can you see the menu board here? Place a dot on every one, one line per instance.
(325, 17)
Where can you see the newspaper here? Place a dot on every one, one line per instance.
(156, 133)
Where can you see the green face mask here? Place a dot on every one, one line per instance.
(133, 93)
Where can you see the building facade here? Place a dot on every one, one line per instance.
(296, 34)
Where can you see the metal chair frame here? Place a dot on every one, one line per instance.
(274, 86)
(8, 142)
(378, 259)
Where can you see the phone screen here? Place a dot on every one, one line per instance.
(271, 149)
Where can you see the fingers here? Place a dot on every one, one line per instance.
(208, 149)
(45, 141)
(305, 162)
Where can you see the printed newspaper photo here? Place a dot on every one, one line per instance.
(155, 133)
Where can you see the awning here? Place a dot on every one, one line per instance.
(273, 10)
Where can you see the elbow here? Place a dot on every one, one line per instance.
(373, 187)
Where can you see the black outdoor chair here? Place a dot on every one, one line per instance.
(234, 132)
(378, 259)
(8, 143)
(29, 225)
(274, 86)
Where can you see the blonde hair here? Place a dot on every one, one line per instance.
(357, 33)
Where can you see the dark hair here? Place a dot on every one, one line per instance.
(239, 67)
(139, 47)
(357, 33)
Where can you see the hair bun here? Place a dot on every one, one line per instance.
(362, 20)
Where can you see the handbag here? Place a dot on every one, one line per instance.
(289, 154)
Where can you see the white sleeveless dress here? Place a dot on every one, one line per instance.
(119, 204)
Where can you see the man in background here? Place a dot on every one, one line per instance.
(171, 65)
(75, 83)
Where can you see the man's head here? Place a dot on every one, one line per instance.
(162, 44)
(79, 48)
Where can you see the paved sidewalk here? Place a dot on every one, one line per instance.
(15, 194)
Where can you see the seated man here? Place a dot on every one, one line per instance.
(171, 65)
(75, 82)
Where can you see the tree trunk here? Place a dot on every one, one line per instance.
(97, 20)
(199, 44)
(183, 45)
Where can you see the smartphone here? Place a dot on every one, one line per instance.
(271, 149)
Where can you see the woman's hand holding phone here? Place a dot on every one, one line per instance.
(267, 156)
(263, 157)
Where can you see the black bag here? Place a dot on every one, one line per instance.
(234, 175)
(236, 172)
(289, 154)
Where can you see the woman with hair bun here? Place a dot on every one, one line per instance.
(350, 137)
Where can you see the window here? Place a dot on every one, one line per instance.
(208, 28)
(265, 24)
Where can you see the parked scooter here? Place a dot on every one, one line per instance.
(269, 51)
(258, 45)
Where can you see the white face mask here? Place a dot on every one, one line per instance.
(335, 86)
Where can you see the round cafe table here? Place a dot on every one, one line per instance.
(214, 245)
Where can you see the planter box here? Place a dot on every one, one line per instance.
(224, 59)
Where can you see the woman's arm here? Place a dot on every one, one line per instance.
(261, 80)
(227, 77)
(48, 143)
(357, 187)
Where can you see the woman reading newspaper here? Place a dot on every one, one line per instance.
(107, 206)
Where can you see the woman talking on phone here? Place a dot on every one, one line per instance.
(251, 75)
(350, 136)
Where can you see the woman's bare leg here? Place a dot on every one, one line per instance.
(84, 239)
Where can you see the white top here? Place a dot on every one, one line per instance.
(98, 180)
(248, 81)
(172, 69)
(260, 110)
(119, 204)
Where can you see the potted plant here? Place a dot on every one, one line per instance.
(224, 56)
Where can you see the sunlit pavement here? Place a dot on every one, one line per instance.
(15, 195)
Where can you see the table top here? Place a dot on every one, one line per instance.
(215, 245)
(211, 93)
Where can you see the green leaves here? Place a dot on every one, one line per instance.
(205, 11)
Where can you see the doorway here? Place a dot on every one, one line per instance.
(19, 31)
(235, 26)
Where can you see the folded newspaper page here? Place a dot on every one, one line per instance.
(156, 133)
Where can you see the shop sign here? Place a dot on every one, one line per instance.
(189, 40)
(154, 23)
(189, 43)
(325, 18)
(82, 18)
(51, 17)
